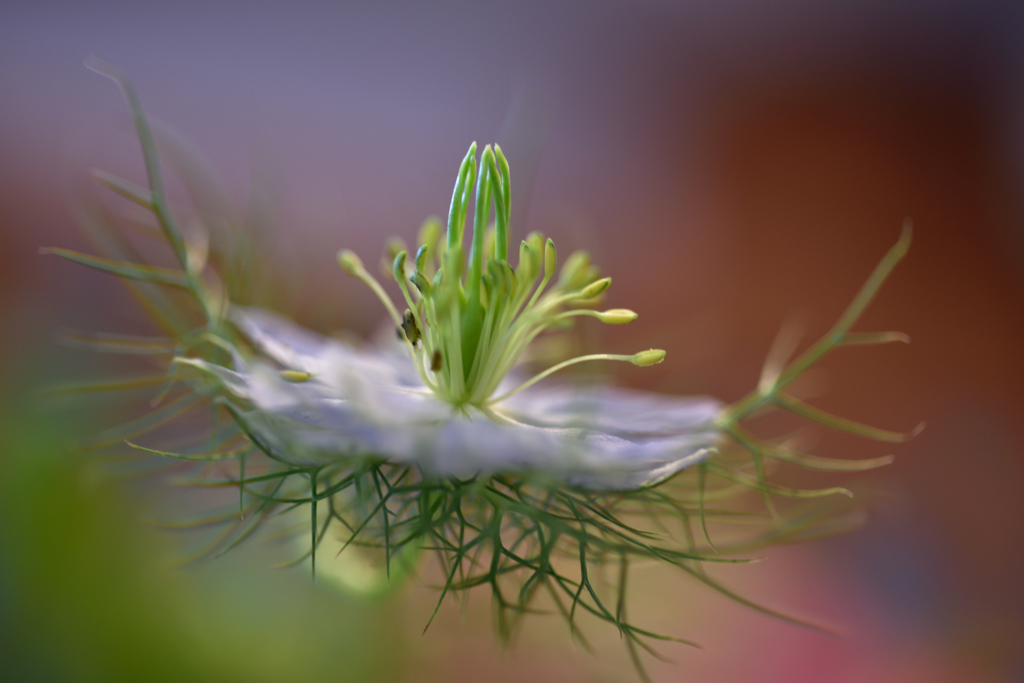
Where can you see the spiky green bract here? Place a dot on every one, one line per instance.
(522, 534)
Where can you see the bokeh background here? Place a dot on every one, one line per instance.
(733, 165)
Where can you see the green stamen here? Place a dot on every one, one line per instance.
(296, 376)
(399, 272)
(468, 322)
(595, 288)
(649, 357)
(643, 358)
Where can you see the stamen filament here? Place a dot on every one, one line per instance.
(456, 371)
(555, 368)
(550, 261)
(421, 368)
(591, 291)
(484, 348)
(515, 339)
(436, 335)
(353, 265)
(524, 336)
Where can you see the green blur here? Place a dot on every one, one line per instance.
(88, 592)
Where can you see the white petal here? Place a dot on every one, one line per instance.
(365, 403)
(296, 348)
(282, 341)
(620, 411)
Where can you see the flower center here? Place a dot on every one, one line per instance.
(467, 323)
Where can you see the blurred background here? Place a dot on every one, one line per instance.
(733, 165)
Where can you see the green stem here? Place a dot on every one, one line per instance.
(835, 336)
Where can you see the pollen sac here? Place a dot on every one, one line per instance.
(409, 328)
(350, 262)
(617, 316)
(596, 288)
(296, 376)
(576, 270)
(421, 282)
(392, 248)
(649, 357)
(550, 258)
(527, 265)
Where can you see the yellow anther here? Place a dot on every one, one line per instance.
(526, 263)
(575, 269)
(350, 262)
(595, 288)
(649, 357)
(617, 316)
(430, 233)
(550, 258)
(296, 376)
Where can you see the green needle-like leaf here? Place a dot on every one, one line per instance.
(134, 271)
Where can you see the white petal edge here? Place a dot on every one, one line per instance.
(363, 403)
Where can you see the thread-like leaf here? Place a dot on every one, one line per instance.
(134, 271)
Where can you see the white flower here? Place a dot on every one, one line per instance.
(360, 402)
(447, 402)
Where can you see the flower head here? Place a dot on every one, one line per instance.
(355, 402)
(447, 401)
(468, 321)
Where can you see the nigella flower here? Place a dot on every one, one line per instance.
(445, 402)
(336, 402)
(438, 443)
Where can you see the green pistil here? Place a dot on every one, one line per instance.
(464, 334)
(460, 198)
